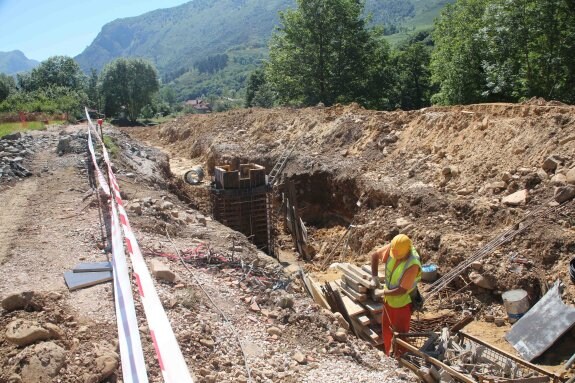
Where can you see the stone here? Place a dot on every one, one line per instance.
(161, 271)
(20, 301)
(106, 363)
(402, 222)
(551, 163)
(499, 321)
(64, 145)
(136, 208)
(286, 301)
(13, 136)
(166, 205)
(476, 265)
(274, 331)
(42, 363)
(558, 179)
(570, 176)
(255, 307)
(23, 332)
(175, 213)
(482, 281)
(340, 335)
(501, 185)
(564, 193)
(55, 331)
(532, 180)
(341, 321)
(516, 199)
(542, 174)
(208, 343)
(506, 177)
(299, 357)
(201, 219)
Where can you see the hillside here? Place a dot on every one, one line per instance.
(177, 38)
(14, 62)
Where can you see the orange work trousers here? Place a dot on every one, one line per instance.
(394, 319)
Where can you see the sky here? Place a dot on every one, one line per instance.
(44, 28)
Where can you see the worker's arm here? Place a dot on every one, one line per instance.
(378, 254)
(406, 282)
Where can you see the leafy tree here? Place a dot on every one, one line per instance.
(319, 54)
(93, 91)
(456, 63)
(55, 71)
(411, 61)
(256, 81)
(7, 86)
(127, 85)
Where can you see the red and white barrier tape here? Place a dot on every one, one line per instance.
(131, 352)
(170, 357)
(100, 176)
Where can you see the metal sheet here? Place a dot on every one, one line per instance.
(96, 266)
(76, 281)
(542, 326)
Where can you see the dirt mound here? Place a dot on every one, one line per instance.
(446, 170)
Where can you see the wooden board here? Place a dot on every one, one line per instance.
(373, 307)
(353, 275)
(353, 284)
(351, 292)
(315, 290)
(358, 271)
(363, 320)
(352, 308)
(375, 338)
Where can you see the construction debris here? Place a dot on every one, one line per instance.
(543, 325)
(76, 281)
(464, 358)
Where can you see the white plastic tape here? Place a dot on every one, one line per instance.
(170, 358)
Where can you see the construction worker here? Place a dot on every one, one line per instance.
(402, 273)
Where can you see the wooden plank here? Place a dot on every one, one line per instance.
(375, 338)
(351, 274)
(363, 320)
(316, 293)
(352, 308)
(373, 307)
(360, 272)
(351, 292)
(353, 284)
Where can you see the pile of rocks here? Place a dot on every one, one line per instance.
(13, 149)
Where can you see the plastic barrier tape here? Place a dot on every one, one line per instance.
(172, 362)
(101, 179)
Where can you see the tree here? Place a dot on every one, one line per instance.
(127, 85)
(7, 86)
(93, 91)
(56, 71)
(411, 61)
(456, 63)
(319, 54)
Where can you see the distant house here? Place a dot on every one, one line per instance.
(199, 105)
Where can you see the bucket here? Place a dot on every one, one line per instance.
(195, 175)
(429, 272)
(516, 304)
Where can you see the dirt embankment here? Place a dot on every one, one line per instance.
(439, 174)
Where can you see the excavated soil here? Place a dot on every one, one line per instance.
(439, 174)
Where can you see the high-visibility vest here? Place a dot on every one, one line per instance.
(394, 274)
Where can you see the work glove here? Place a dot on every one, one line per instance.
(375, 281)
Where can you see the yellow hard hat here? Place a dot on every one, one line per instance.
(400, 246)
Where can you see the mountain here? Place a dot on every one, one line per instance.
(177, 39)
(15, 61)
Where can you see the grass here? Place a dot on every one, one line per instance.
(13, 127)
(111, 145)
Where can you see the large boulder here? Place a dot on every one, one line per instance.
(23, 332)
(42, 363)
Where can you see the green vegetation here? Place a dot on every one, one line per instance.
(127, 86)
(189, 43)
(505, 50)
(111, 145)
(13, 127)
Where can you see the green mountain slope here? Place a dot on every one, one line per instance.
(15, 61)
(176, 39)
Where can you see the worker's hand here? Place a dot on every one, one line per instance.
(375, 281)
